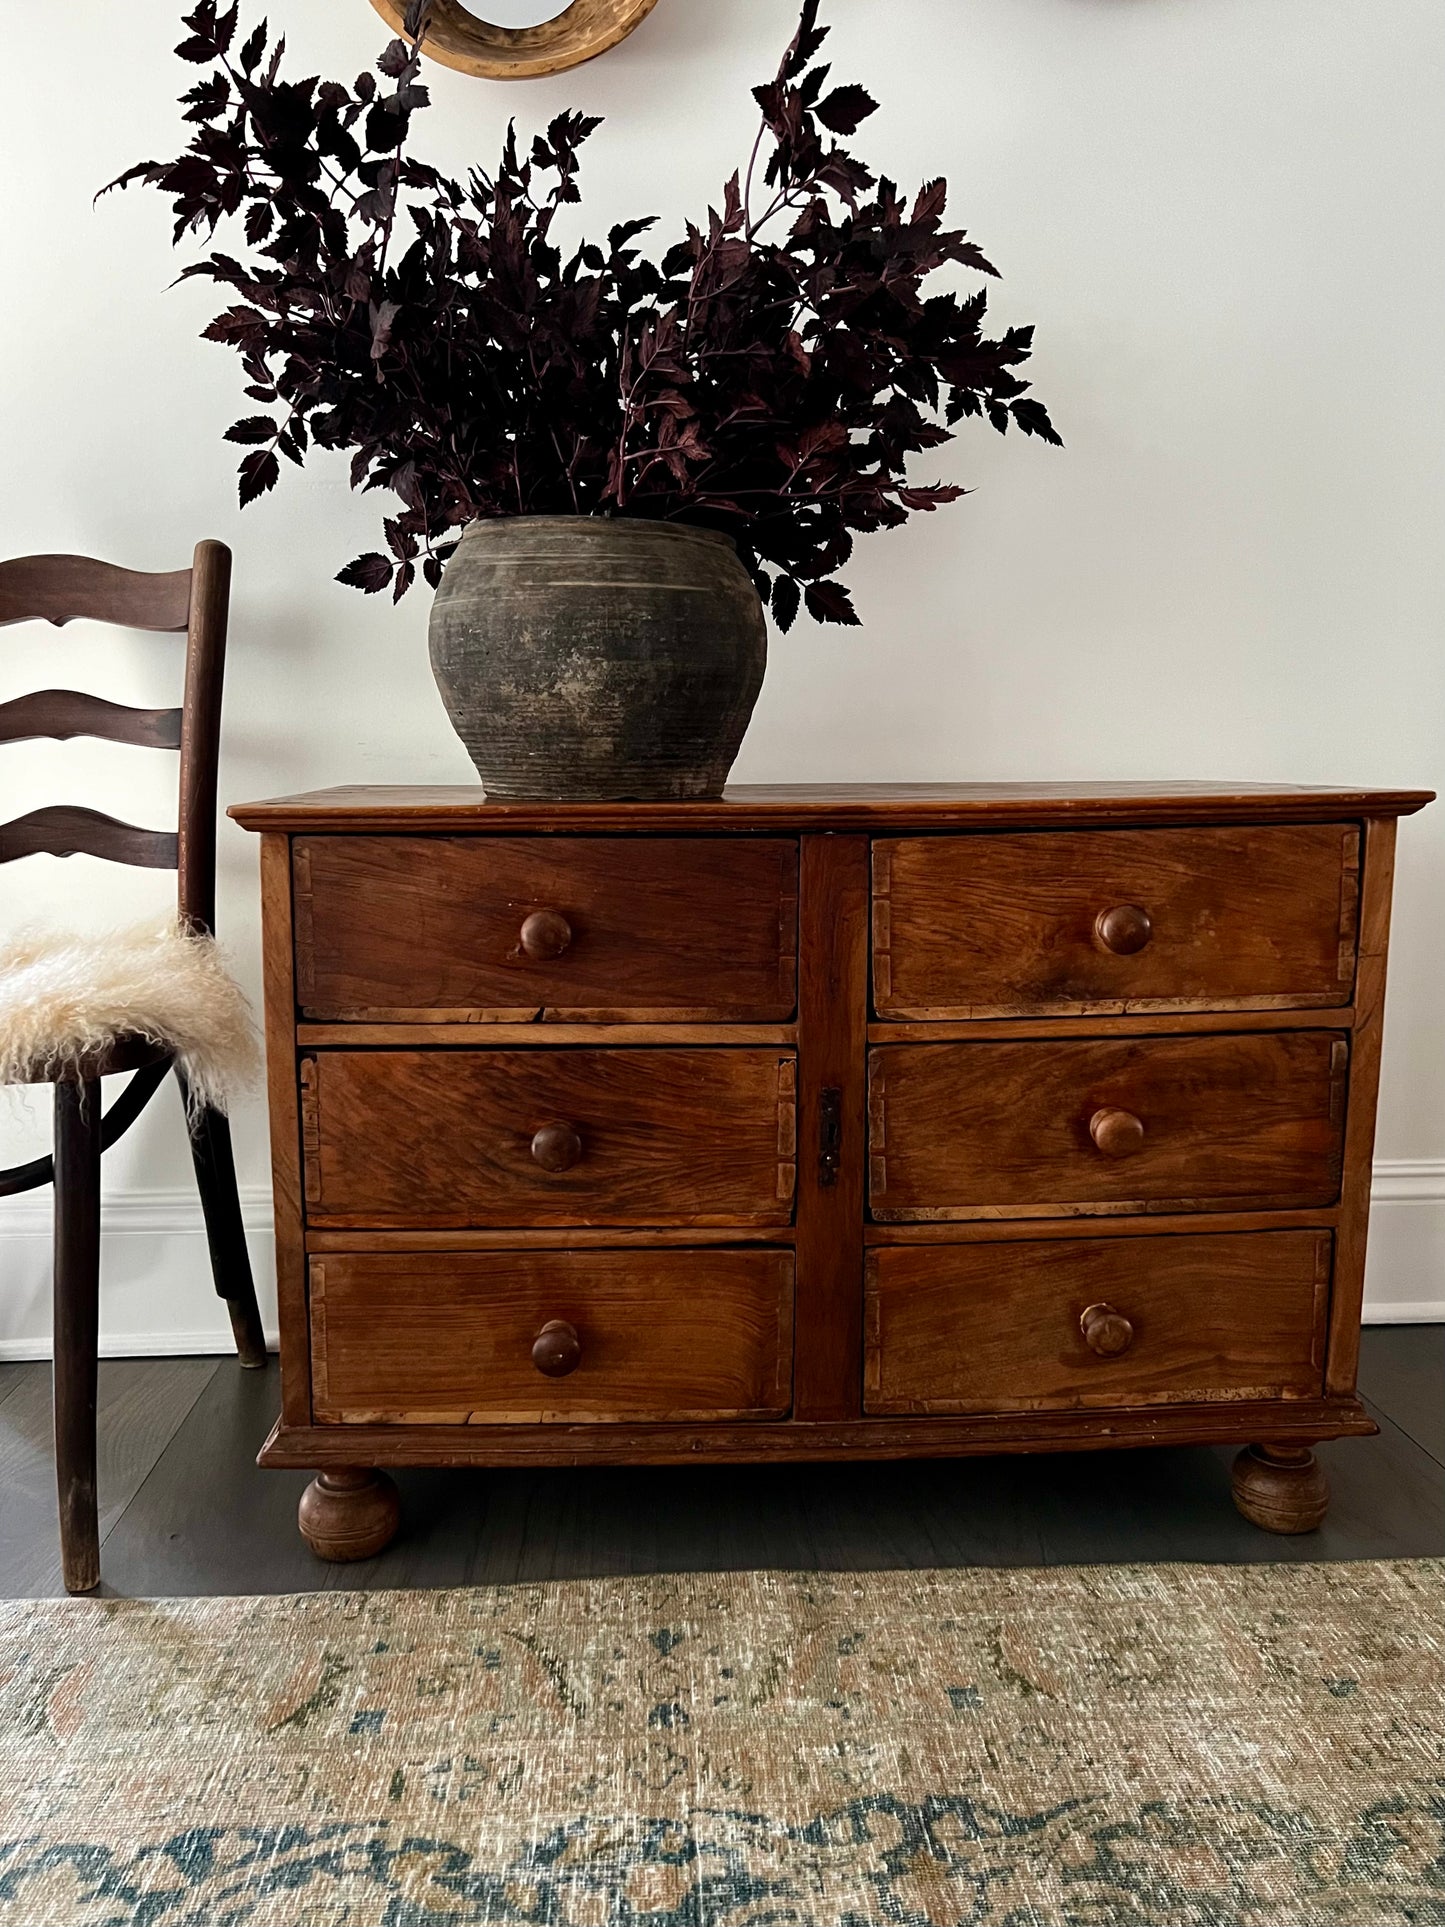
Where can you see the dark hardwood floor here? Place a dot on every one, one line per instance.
(185, 1510)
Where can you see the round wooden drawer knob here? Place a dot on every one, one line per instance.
(557, 1350)
(546, 933)
(1106, 1332)
(1124, 929)
(1118, 1134)
(557, 1147)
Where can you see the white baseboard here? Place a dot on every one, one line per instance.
(1405, 1270)
(157, 1300)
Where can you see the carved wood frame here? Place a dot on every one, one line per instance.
(457, 38)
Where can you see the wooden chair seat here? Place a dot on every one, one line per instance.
(121, 1055)
(79, 1007)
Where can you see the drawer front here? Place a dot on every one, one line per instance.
(548, 1137)
(1071, 1322)
(1115, 920)
(415, 929)
(447, 1339)
(1114, 1125)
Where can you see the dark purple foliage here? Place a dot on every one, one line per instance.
(770, 375)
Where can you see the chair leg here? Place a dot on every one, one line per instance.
(221, 1205)
(77, 1313)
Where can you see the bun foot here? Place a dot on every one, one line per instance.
(1282, 1488)
(349, 1514)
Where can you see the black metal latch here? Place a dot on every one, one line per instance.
(830, 1134)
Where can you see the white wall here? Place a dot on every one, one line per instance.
(1226, 220)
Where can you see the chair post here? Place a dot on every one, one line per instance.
(201, 733)
(225, 1234)
(77, 1315)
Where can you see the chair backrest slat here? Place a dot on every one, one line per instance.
(63, 829)
(64, 588)
(62, 713)
(61, 588)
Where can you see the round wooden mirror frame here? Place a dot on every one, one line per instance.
(458, 39)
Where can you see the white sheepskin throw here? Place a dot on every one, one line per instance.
(64, 996)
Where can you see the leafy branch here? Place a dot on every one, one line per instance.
(771, 375)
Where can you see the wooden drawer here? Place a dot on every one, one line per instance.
(647, 929)
(447, 1338)
(1040, 1129)
(1002, 926)
(995, 1327)
(548, 1137)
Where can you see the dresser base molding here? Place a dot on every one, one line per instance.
(1288, 1422)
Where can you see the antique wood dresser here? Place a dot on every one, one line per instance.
(822, 1123)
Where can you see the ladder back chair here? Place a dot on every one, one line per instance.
(194, 601)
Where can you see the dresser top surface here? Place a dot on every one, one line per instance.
(452, 809)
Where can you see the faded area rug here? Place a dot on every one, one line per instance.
(1178, 1746)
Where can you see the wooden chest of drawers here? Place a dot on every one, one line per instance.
(820, 1123)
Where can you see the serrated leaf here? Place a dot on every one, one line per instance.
(1033, 418)
(371, 573)
(259, 472)
(932, 199)
(845, 109)
(254, 48)
(255, 428)
(830, 602)
(786, 597)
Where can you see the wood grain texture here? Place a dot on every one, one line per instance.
(833, 992)
(64, 713)
(140, 1405)
(277, 964)
(661, 929)
(1402, 1371)
(546, 1238)
(349, 1514)
(1217, 1422)
(1281, 1488)
(59, 588)
(198, 1522)
(63, 588)
(1193, 1023)
(457, 37)
(445, 1138)
(663, 1335)
(989, 1328)
(1177, 1245)
(1011, 925)
(788, 808)
(1002, 1130)
(1159, 1224)
(201, 732)
(541, 1036)
(65, 829)
(1379, 872)
(76, 1301)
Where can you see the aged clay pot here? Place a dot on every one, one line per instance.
(584, 658)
